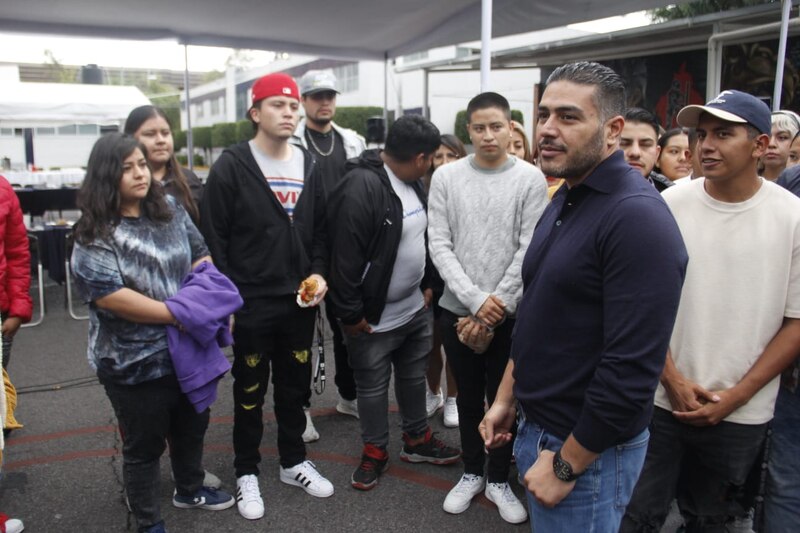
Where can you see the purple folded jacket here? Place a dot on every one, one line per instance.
(202, 307)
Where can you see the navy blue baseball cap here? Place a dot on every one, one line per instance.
(733, 106)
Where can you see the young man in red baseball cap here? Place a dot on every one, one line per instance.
(263, 220)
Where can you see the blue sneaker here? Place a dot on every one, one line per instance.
(158, 528)
(205, 498)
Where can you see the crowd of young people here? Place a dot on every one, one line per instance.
(629, 345)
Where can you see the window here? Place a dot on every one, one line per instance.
(215, 107)
(198, 109)
(45, 131)
(67, 130)
(87, 129)
(347, 77)
(417, 56)
(6, 132)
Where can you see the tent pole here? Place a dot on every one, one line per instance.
(486, 42)
(189, 139)
(776, 98)
(385, 94)
(426, 112)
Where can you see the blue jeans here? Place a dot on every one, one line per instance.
(782, 502)
(372, 356)
(600, 496)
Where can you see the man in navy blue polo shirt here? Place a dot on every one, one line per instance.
(603, 277)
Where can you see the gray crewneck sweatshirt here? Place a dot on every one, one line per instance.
(480, 222)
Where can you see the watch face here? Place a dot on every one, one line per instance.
(562, 469)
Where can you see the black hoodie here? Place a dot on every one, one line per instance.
(365, 224)
(251, 238)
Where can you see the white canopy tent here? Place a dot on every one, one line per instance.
(28, 105)
(345, 28)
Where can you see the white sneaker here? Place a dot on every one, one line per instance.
(248, 497)
(511, 510)
(306, 476)
(347, 407)
(13, 525)
(310, 434)
(460, 496)
(433, 401)
(450, 412)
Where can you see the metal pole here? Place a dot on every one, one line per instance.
(189, 139)
(426, 112)
(486, 43)
(385, 94)
(776, 97)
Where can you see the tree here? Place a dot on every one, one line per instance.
(223, 134)
(702, 7)
(201, 137)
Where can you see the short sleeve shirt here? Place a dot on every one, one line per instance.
(150, 258)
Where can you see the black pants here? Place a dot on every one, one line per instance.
(276, 332)
(148, 414)
(345, 382)
(706, 468)
(478, 376)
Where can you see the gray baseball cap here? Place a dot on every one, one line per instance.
(315, 81)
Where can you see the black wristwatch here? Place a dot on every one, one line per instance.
(562, 469)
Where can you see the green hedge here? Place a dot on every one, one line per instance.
(355, 118)
(179, 139)
(461, 124)
(223, 134)
(199, 161)
(244, 130)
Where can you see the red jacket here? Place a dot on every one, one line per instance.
(15, 257)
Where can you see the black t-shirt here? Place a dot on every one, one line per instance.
(332, 165)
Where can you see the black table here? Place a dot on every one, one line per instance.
(36, 201)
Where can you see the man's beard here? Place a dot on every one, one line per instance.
(324, 121)
(579, 163)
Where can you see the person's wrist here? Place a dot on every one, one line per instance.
(563, 469)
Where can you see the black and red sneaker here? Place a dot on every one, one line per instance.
(430, 450)
(374, 462)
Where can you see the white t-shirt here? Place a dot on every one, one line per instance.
(285, 178)
(404, 296)
(743, 278)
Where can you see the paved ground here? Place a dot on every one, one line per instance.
(62, 471)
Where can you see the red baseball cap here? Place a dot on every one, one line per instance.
(275, 84)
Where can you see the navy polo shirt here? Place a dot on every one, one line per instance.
(602, 277)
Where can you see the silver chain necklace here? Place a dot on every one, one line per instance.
(320, 152)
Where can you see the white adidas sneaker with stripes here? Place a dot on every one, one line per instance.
(306, 476)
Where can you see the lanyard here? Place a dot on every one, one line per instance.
(319, 368)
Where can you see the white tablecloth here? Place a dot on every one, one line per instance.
(49, 179)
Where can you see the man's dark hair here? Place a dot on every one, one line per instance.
(609, 94)
(643, 116)
(487, 100)
(409, 136)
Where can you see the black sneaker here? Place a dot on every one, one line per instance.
(431, 450)
(374, 462)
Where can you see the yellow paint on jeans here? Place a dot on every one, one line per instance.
(248, 406)
(254, 388)
(252, 360)
(301, 356)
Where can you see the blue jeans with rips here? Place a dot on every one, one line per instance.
(782, 499)
(598, 501)
(372, 356)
